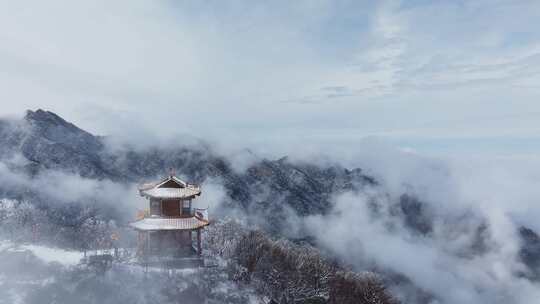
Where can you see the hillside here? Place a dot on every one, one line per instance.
(47, 142)
(74, 185)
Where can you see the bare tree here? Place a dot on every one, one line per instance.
(289, 273)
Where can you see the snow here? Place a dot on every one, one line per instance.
(49, 254)
(172, 192)
(169, 223)
(46, 254)
(156, 190)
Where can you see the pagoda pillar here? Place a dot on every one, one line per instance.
(199, 247)
(147, 251)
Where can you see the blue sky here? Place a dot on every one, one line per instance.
(439, 77)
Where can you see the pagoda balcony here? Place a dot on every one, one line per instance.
(188, 214)
(193, 212)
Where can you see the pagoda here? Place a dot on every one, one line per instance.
(171, 226)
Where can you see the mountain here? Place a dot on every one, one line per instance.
(43, 144)
(269, 191)
(48, 142)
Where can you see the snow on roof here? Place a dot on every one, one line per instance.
(147, 186)
(171, 192)
(163, 190)
(169, 223)
(175, 179)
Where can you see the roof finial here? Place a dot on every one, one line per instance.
(171, 172)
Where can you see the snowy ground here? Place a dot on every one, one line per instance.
(48, 254)
(35, 274)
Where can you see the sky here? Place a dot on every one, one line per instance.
(440, 77)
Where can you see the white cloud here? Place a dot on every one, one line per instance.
(460, 195)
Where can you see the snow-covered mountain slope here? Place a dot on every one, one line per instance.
(43, 141)
(73, 183)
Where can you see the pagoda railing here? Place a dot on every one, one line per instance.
(197, 212)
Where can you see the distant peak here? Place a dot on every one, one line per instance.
(283, 159)
(42, 115)
(47, 119)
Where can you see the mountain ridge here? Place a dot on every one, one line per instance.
(48, 142)
(269, 191)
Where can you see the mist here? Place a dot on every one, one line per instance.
(467, 249)
(476, 208)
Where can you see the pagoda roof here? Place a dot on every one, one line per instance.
(155, 224)
(170, 188)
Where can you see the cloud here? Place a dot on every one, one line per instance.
(240, 72)
(57, 188)
(471, 203)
